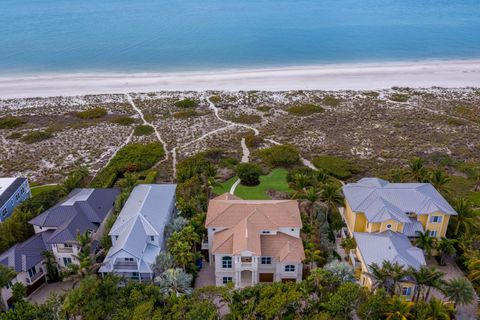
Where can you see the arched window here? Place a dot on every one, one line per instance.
(289, 268)
(389, 226)
(227, 262)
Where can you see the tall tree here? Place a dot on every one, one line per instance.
(399, 309)
(6, 275)
(439, 179)
(426, 278)
(459, 290)
(175, 282)
(51, 265)
(467, 218)
(439, 310)
(446, 247)
(417, 169)
(425, 242)
(332, 196)
(388, 276)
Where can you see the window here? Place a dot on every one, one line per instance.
(116, 237)
(266, 260)
(67, 245)
(433, 233)
(22, 190)
(67, 261)
(17, 196)
(226, 280)
(406, 291)
(32, 271)
(266, 232)
(129, 259)
(389, 226)
(435, 219)
(152, 238)
(135, 274)
(9, 285)
(227, 262)
(289, 268)
(4, 212)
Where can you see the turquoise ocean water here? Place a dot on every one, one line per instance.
(43, 36)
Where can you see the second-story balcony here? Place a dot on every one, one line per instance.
(125, 265)
(64, 249)
(35, 277)
(205, 243)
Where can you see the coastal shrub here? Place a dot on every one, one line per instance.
(36, 136)
(304, 110)
(249, 174)
(331, 101)
(149, 117)
(245, 118)
(194, 166)
(143, 130)
(186, 103)
(92, 113)
(10, 122)
(215, 99)
(14, 135)
(123, 120)
(279, 156)
(253, 141)
(134, 157)
(264, 108)
(371, 94)
(337, 167)
(184, 114)
(399, 97)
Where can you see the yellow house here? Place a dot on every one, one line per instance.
(383, 216)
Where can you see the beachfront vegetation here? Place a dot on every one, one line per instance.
(249, 174)
(331, 101)
(184, 114)
(14, 136)
(305, 110)
(143, 130)
(279, 156)
(123, 120)
(335, 166)
(186, 103)
(92, 113)
(36, 136)
(399, 97)
(245, 118)
(10, 122)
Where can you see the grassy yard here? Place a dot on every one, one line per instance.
(45, 188)
(277, 180)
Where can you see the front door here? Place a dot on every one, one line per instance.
(266, 277)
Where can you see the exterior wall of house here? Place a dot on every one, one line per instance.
(20, 195)
(61, 252)
(101, 229)
(439, 227)
(24, 278)
(394, 226)
(349, 217)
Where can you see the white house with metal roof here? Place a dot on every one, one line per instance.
(138, 235)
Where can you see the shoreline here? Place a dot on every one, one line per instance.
(355, 76)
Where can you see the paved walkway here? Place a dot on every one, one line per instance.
(206, 276)
(41, 294)
(451, 271)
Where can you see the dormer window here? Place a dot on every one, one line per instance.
(389, 226)
(266, 232)
(152, 238)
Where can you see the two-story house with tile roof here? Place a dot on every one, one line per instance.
(13, 191)
(138, 235)
(254, 241)
(383, 217)
(82, 210)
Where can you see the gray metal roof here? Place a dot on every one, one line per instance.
(27, 254)
(10, 190)
(81, 210)
(390, 246)
(410, 229)
(146, 213)
(381, 200)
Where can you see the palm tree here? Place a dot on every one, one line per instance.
(388, 276)
(467, 218)
(6, 275)
(473, 265)
(300, 181)
(332, 196)
(446, 247)
(426, 278)
(87, 260)
(459, 290)
(379, 275)
(425, 242)
(417, 169)
(309, 196)
(322, 176)
(438, 178)
(312, 255)
(163, 262)
(175, 282)
(438, 310)
(348, 244)
(51, 265)
(396, 175)
(399, 309)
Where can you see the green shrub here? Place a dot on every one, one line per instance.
(264, 108)
(10, 122)
(184, 114)
(279, 156)
(92, 113)
(14, 135)
(245, 118)
(337, 167)
(305, 110)
(143, 130)
(399, 97)
(186, 103)
(215, 99)
(151, 177)
(123, 120)
(331, 101)
(134, 157)
(249, 174)
(36, 136)
(253, 141)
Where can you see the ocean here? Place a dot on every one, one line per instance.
(50, 36)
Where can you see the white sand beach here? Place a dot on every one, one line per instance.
(448, 74)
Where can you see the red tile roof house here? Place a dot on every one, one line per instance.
(252, 241)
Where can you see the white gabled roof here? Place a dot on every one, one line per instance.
(390, 246)
(146, 213)
(381, 200)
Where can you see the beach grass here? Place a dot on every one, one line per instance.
(43, 188)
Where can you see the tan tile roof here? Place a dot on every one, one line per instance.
(245, 219)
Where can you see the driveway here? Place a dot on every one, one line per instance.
(206, 276)
(41, 294)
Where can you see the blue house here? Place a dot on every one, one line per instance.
(13, 191)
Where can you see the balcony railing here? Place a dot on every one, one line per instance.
(125, 265)
(35, 277)
(64, 250)
(205, 244)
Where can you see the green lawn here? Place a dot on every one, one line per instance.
(277, 180)
(45, 188)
